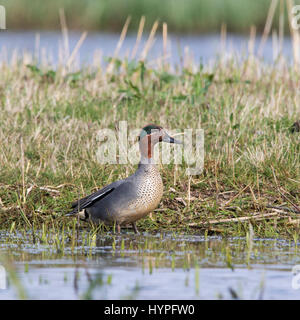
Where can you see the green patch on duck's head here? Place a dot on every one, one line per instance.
(148, 130)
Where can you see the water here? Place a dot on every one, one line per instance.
(45, 45)
(161, 266)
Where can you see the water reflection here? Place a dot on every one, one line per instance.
(161, 266)
(48, 46)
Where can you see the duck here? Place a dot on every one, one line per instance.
(128, 200)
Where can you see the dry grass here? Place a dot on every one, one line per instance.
(50, 118)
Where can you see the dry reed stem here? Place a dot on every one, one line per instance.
(76, 49)
(165, 41)
(64, 29)
(239, 219)
(149, 42)
(268, 25)
(281, 25)
(119, 45)
(138, 37)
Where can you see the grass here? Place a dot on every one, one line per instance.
(109, 15)
(50, 118)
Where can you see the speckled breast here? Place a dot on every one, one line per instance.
(149, 193)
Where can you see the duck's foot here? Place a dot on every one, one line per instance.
(135, 228)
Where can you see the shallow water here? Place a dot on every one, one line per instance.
(45, 46)
(161, 266)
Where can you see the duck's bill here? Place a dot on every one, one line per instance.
(169, 139)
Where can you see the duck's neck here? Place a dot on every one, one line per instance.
(147, 151)
(146, 161)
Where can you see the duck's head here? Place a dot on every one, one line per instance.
(152, 134)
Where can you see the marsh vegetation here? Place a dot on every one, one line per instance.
(248, 193)
(48, 137)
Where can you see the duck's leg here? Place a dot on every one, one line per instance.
(135, 228)
(118, 228)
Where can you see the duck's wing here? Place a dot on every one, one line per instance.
(92, 198)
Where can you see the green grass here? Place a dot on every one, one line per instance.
(110, 15)
(49, 122)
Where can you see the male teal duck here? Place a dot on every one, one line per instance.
(128, 200)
